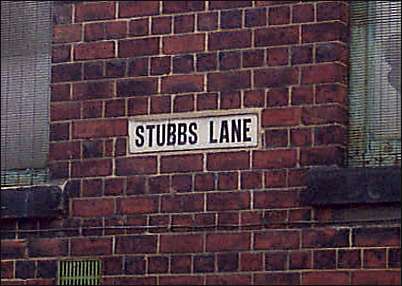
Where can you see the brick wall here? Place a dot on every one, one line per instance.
(199, 217)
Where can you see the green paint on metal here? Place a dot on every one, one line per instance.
(79, 272)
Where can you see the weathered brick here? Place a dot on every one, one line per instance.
(182, 6)
(207, 21)
(138, 47)
(182, 203)
(324, 73)
(275, 261)
(281, 278)
(183, 64)
(136, 166)
(138, 8)
(229, 40)
(277, 240)
(183, 103)
(91, 246)
(229, 80)
(276, 138)
(303, 13)
(276, 36)
(94, 11)
(274, 159)
(66, 72)
(324, 32)
(92, 207)
(139, 27)
(136, 87)
(161, 25)
(217, 5)
(13, 249)
(255, 17)
(182, 83)
(322, 156)
(277, 56)
(183, 44)
(91, 168)
(279, 15)
(228, 201)
(67, 33)
(376, 277)
(335, 10)
(65, 111)
(182, 163)
(251, 180)
(64, 151)
(324, 277)
(93, 90)
(228, 241)
(228, 161)
(325, 238)
(138, 205)
(372, 236)
(324, 259)
(275, 77)
(161, 104)
(99, 128)
(184, 24)
(61, 53)
(276, 199)
(136, 244)
(231, 19)
(277, 97)
(181, 243)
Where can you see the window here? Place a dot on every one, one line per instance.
(375, 84)
(25, 77)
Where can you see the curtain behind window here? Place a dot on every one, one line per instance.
(375, 84)
(25, 78)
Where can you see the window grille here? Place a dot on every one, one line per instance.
(25, 76)
(375, 84)
(79, 272)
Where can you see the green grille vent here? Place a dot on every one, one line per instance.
(79, 272)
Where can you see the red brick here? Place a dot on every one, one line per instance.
(279, 15)
(229, 80)
(93, 70)
(182, 83)
(64, 151)
(228, 201)
(184, 24)
(114, 186)
(275, 261)
(254, 98)
(302, 54)
(182, 6)
(251, 180)
(183, 103)
(275, 178)
(60, 92)
(11, 249)
(324, 73)
(115, 30)
(61, 53)
(276, 77)
(331, 93)
(136, 244)
(322, 156)
(160, 65)
(66, 72)
(161, 25)
(373, 236)
(138, 67)
(276, 199)
(94, 11)
(276, 36)
(325, 277)
(301, 137)
(376, 277)
(115, 108)
(229, 40)
(47, 247)
(276, 240)
(229, 279)
(138, 105)
(303, 13)
(324, 115)
(91, 168)
(228, 161)
(7, 269)
(207, 21)
(136, 166)
(99, 128)
(277, 279)
(324, 259)
(139, 27)
(330, 135)
(204, 182)
(207, 101)
(136, 87)
(277, 56)
(92, 109)
(92, 207)
(181, 243)
(276, 138)
(325, 238)
(93, 90)
(65, 111)
(182, 203)
(229, 60)
(180, 264)
(255, 17)
(181, 280)
(91, 246)
(94, 32)
(274, 159)
(302, 95)
(349, 258)
(112, 265)
(158, 264)
(331, 52)
(182, 183)
(62, 14)
(160, 104)
(394, 258)
(138, 205)
(67, 33)
(183, 44)
(228, 241)
(207, 61)
(159, 184)
(138, 47)
(129, 9)
(324, 32)
(300, 260)
(228, 181)
(217, 5)
(230, 99)
(136, 185)
(253, 58)
(277, 97)
(128, 280)
(58, 170)
(182, 163)
(374, 258)
(335, 10)
(250, 261)
(183, 64)
(231, 19)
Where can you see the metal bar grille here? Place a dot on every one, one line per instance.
(25, 91)
(79, 272)
(375, 84)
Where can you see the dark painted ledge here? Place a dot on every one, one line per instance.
(32, 202)
(341, 186)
